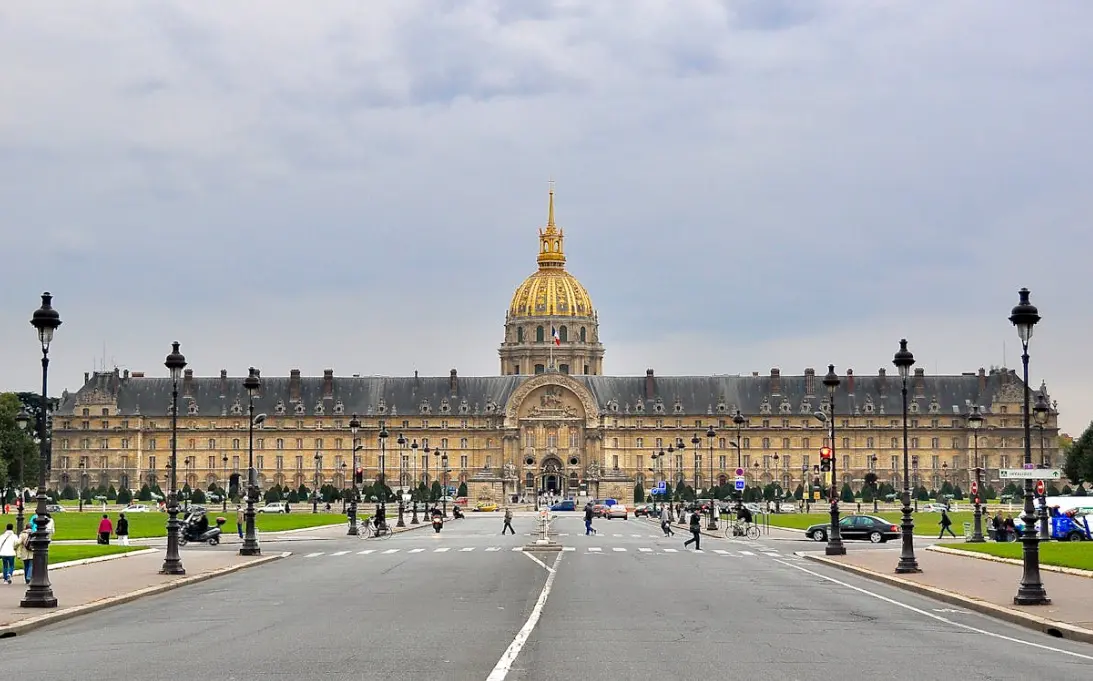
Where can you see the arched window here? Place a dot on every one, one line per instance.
(563, 334)
(538, 334)
(539, 368)
(582, 334)
(520, 334)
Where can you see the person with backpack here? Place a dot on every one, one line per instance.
(508, 522)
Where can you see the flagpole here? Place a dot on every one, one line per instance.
(551, 360)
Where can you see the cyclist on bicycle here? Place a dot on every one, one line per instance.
(380, 520)
(744, 514)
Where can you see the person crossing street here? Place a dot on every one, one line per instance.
(696, 531)
(508, 522)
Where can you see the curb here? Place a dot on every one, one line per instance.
(95, 559)
(33, 623)
(1077, 572)
(1041, 624)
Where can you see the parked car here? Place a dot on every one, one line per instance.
(616, 510)
(137, 508)
(273, 507)
(485, 506)
(54, 508)
(876, 530)
(565, 505)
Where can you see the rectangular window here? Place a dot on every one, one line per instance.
(785, 461)
(103, 443)
(721, 462)
(935, 442)
(212, 443)
(846, 443)
(318, 444)
(299, 443)
(260, 443)
(280, 461)
(235, 464)
(489, 462)
(895, 443)
(299, 463)
(443, 443)
(259, 464)
(640, 441)
(641, 463)
(747, 443)
(785, 443)
(463, 461)
(658, 445)
(804, 443)
(895, 463)
(747, 461)
(679, 462)
(338, 444)
(462, 443)
(935, 462)
(615, 461)
(212, 463)
(152, 462)
(124, 443)
(869, 442)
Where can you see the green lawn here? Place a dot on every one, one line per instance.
(72, 525)
(1064, 554)
(62, 553)
(925, 523)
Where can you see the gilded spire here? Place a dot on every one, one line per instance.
(550, 239)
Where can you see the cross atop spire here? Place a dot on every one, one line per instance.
(550, 239)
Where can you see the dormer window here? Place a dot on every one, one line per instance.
(299, 410)
(319, 409)
(785, 407)
(191, 409)
(444, 406)
(639, 407)
(382, 407)
(279, 408)
(339, 408)
(464, 407)
(913, 408)
(424, 407)
(658, 406)
(678, 406)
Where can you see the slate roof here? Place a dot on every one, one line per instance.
(403, 396)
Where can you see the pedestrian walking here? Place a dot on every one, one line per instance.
(999, 527)
(508, 522)
(122, 530)
(946, 525)
(106, 528)
(666, 521)
(696, 532)
(7, 551)
(23, 552)
(588, 519)
(239, 519)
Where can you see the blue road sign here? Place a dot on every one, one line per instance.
(740, 484)
(451, 490)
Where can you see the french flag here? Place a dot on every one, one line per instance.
(554, 335)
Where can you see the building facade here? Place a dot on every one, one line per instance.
(550, 421)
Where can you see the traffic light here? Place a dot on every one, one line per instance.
(825, 459)
(358, 476)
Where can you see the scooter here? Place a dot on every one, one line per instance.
(438, 523)
(210, 536)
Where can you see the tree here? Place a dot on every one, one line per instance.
(16, 445)
(462, 490)
(1078, 465)
(125, 497)
(436, 491)
(144, 494)
(198, 496)
(111, 493)
(68, 493)
(989, 492)
(639, 493)
(958, 493)
(847, 493)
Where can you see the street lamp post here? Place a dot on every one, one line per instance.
(315, 492)
(712, 524)
(383, 434)
(40, 592)
(975, 422)
(738, 420)
(402, 443)
(1041, 411)
(415, 489)
(907, 564)
(428, 485)
(806, 487)
(354, 428)
(83, 484)
(22, 419)
(224, 489)
(172, 562)
(444, 484)
(834, 539)
(252, 383)
(1031, 591)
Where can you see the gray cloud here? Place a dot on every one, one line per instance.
(743, 184)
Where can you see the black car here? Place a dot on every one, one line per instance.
(876, 530)
(643, 511)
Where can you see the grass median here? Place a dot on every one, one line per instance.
(63, 553)
(70, 525)
(1077, 555)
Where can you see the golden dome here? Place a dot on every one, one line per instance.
(551, 291)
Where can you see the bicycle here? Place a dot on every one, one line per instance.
(741, 529)
(373, 532)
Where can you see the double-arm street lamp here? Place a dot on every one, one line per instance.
(22, 419)
(40, 592)
(354, 428)
(904, 360)
(834, 538)
(442, 471)
(172, 563)
(712, 523)
(1041, 412)
(252, 383)
(315, 492)
(1031, 591)
(227, 484)
(975, 422)
(383, 434)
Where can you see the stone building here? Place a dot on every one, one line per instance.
(550, 421)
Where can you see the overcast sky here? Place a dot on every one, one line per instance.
(356, 185)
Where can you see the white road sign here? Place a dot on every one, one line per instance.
(1027, 474)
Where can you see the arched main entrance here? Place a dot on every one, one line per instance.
(551, 480)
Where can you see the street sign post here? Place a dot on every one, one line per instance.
(739, 484)
(739, 472)
(1040, 487)
(1029, 474)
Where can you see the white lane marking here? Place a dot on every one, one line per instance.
(493, 548)
(939, 618)
(771, 553)
(619, 549)
(671, 550)
(501, 669)
(313, 555)
(699, 551)
(446, 548)
(636, 536)
(594, 548)
(365, 552)
(723, 552)
(389, 551)
(746, 553)
(545, 566)
(416, 550)
(569, 548)
(339, 553)
(644, 550)
(518, 548)
(467, 548)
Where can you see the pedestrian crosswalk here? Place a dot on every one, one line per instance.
(590, 550)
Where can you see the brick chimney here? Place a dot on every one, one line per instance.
(882, 381)
(453, 382)
(223, 382)
(810, 382)
(294, 385)
(850, 381)
(328, 384)
(187, 383)
(920, 383)
(650, 384)
(775, 382)
(125, 375)
(982, 380)
(86, 377)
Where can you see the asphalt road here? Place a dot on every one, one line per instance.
(626, 603)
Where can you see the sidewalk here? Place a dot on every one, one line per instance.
(86, 588)
(984, 586)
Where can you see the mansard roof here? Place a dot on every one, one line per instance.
(454, 396)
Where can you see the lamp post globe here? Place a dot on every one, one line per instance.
(172, 562)
(253, 385)
(39, 594)
(1024, 317)
(904, 360)
(975, 422)
(834, 537)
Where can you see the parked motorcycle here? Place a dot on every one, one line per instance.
(196, 529)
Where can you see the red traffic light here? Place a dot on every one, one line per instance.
(825, 452)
